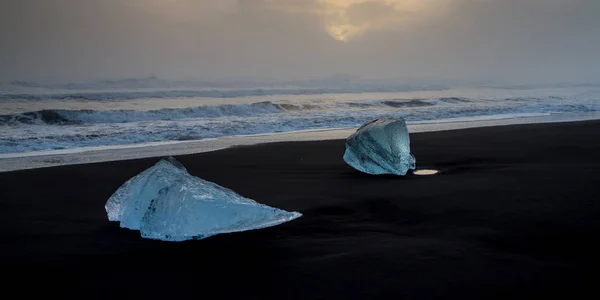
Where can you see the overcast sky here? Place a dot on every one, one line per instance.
(510, 40)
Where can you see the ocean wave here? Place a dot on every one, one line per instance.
(442, 106)
(43, 137)
(58, 117)
(336, 82)
(36, 117)
(76, 123)
(410, 103)
(37, 137)
(202, 93)
(67, 117)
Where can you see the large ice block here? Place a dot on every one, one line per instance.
(380, 147)
(165, 202)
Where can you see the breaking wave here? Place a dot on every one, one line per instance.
(78, 123)
(67, 117)
(123, 116)
(36, 117)
(199, 93)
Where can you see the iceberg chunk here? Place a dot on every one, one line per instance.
(166, 203)
(380, 147)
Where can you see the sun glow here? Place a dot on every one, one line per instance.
(344, 20)
(348, 19)
(342, 32)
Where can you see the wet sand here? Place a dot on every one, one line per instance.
(513, 213)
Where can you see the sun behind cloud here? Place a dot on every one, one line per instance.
(344, 20)
(349, 19)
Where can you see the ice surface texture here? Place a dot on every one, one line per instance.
(166, 203)
(380, 147)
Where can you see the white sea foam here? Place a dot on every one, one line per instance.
(73, 123)
(40, 159)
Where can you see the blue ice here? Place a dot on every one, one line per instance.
(166, 203)
(380, 147)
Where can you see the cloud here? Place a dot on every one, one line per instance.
(360, 17)
(186, 11)
(348, 19)
(518, 40)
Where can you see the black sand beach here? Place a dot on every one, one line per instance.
(514, 214)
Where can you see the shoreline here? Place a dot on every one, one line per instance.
(512, 214)
(22, 161)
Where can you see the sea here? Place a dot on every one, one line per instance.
(37, 119)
